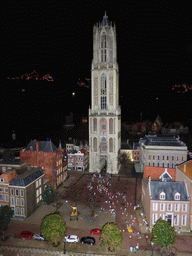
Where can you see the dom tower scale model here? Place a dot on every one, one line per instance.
(105, 112)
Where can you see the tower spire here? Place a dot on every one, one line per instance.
(105, 21)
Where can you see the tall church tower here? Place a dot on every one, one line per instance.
(105, 112)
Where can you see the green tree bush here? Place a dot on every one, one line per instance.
(53, 227)
(6, 214)
(163, 233)
(48, 195)
(111, 235)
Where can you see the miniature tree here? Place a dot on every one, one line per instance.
(53, 227)
(48, 195)
(163, 233)
(111, 235)
(6, 214)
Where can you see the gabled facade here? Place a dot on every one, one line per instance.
(26, 192)
(105, 112)
(158, 172)
(184, 173)
(78, 160)
(45, 155)
(168, 200)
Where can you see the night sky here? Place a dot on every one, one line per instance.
(56, 38)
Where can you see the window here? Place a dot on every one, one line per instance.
(6, 190)
(1, 180)
(1, 189)
(1, 197)
(149, 157)
(162, 207)
(12, 192)
(177, 207)
(177, 196)
(155, 206)
(184, 220)
(21, 192)
(162, 196)
(169, 207)
(154, 216)
(153, 157)
(22, 211)
(36, 183)
(12, 201)
(163, 157)
(17, 201)
(22, 201)
(103, 102)
(17, 211)
(176, 220)
(172, 157)
(184, 207)
(103, 126)
(94, 124)
(6, 198)
(162, 216)
(158, 157)
(167, 157)
(103, 92)
(16, 192)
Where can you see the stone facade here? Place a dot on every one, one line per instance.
(161, 151)
(105, 113)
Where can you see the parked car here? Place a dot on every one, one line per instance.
(26, 234)
(38, 237)
(95, 231)
(88, 240)
(71, 239)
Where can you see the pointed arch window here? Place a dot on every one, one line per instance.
(111, 126)
(111, 145)
(103, 92)
(95, 124)
(103, 48)
(95, 144)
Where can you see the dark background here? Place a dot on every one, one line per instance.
(56, 38)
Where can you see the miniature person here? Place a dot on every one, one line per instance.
(134, 250)
(131, 248)
(137, 246)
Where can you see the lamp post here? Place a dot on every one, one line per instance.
(152, 244)
(64, 249)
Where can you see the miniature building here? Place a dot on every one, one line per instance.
(159, 172)
(105, 112)
(168, 200)
(25, 192)
(184, 173)
(78, 160)
(45, 155)
(161, 151)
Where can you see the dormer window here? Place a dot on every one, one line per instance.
(162, 196)
(177, 196)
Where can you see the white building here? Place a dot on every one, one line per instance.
(105, 112)
(161, 151)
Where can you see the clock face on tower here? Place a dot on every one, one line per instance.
(104, 114)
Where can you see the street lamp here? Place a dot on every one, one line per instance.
(152, 244)
(64, 249)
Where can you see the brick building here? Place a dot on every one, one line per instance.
(5, 179)
(25, 192)
(78, 160)
(45, 155)
(184, 173)
(168, 200)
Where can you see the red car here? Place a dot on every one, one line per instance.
(95, 231)
(26, 234)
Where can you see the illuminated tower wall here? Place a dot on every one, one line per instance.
(105, 112)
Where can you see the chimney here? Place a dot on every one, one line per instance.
(184, 167)
(37, 146)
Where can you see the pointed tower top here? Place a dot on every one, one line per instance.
(105, 21)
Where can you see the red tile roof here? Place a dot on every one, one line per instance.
(155, 172)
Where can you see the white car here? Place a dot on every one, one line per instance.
(38, 237)
(71, 239)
